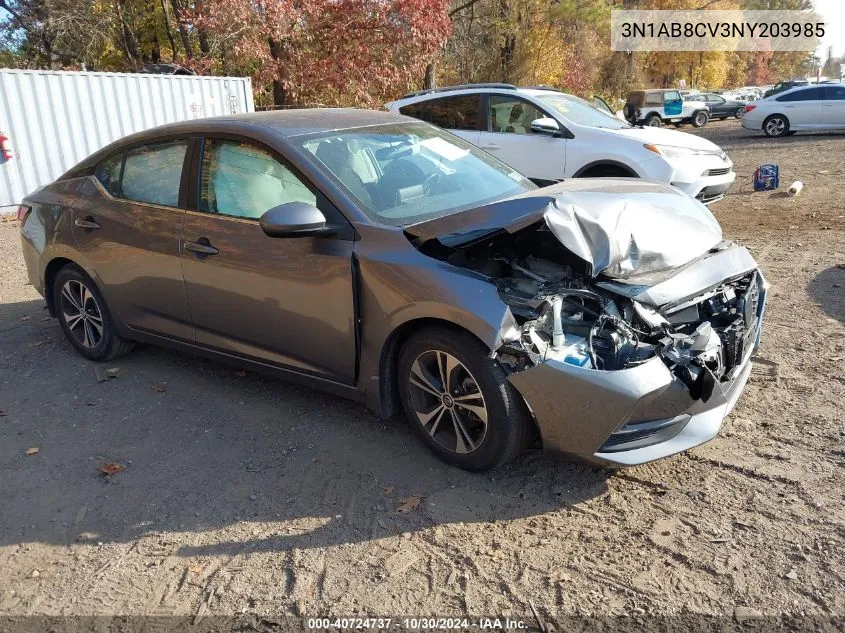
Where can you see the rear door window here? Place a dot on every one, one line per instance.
(453, 113)
(152, 173)
(808, 94)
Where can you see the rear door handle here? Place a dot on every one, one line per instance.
(201, 248)
(491, 146)
(88, 223)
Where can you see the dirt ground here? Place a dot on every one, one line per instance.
(242, 494)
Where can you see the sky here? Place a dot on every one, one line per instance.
(833, 13)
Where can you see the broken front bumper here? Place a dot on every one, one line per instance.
(629, 416)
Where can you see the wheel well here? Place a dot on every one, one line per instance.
(388, 385)
(605, 169)
(50, 273)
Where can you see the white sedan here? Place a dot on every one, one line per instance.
(816, 107)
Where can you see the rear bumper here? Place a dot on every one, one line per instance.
(630, 416)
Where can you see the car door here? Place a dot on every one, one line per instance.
(284, 301)
(128, 234)
(833, 106)
(508, 136)
(803, 107)
(718, 106)
(460, 114)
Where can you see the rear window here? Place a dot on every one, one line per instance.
(452, 113)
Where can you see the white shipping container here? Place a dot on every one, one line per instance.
(54, 119)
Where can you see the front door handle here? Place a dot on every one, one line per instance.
(201, 248)
(88, 223)
(491, 146)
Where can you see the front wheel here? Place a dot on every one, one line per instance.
(700, 119)
(776, 126)
(84, 316)
(459, 401)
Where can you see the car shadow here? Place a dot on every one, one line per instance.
(241, 462)
(828, 290)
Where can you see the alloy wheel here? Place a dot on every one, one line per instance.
(775, 127)
(448, 401)
(82, 314)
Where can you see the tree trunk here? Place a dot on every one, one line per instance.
(430, 80)
(169, 31)
(183, 30)
(280, 95)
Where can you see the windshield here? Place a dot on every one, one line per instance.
(581, 112)
(407, 173)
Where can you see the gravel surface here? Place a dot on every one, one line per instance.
(242, 494)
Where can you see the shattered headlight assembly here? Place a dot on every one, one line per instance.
(677, 153)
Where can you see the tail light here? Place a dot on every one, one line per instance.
(5, 147)
(23, 213)
(749, 108)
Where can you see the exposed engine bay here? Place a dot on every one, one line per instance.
(567, 316)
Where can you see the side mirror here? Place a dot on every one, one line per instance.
(546, 125)
(293, 219)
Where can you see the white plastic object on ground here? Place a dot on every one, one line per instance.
(795, 188)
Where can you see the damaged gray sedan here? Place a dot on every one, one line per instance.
(388, 261)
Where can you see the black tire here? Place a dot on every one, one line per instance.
(653, 120)
(508, 424)
(739, 112)
(700, 118)
(776, 126)
(94, 339)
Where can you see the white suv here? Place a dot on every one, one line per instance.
(549, 135)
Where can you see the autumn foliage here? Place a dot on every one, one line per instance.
(334, 52)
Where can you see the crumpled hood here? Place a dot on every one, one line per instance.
(619, 227)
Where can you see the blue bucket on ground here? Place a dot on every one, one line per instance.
(766, 178)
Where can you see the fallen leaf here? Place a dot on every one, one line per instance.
(35, 343)
(112, 372)
(241, 373)
(160, 388)
(409, 504)
(111, 468)
(32, 451)
(388, 490)
(25, 317)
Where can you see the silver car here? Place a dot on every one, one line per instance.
(386, 260)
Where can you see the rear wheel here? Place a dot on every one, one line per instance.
(459, 401)
(653, 120)
(776, 125)
(700, 118)
(84, 316)
(739, 112)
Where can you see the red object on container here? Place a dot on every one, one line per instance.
(5, 147)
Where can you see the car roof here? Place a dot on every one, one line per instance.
(285, 123)
(295, 122)
(466, 89)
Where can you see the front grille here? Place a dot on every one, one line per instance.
(717, 172)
